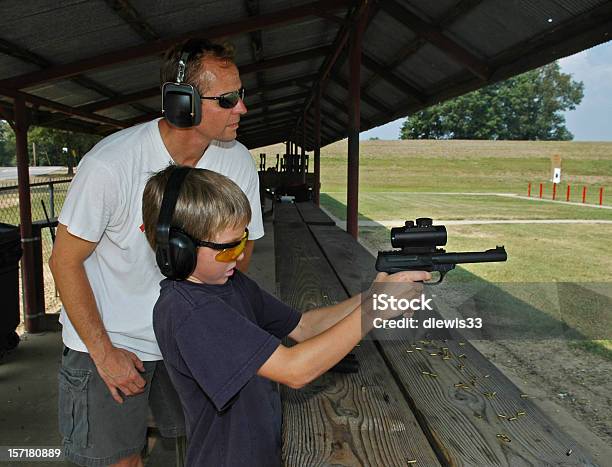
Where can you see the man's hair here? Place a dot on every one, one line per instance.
(208, 203)
(200, 53)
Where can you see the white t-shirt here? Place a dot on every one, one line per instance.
(104, 205)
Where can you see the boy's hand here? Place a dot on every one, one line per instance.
(117, 368)
(406, 284)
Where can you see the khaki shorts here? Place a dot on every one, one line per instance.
(99, 431)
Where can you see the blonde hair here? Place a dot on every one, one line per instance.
(202, 52)
(208, 203)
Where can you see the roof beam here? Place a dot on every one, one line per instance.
(456, 11)
(450, 16)
(265, 21)
(434, 35)
(65, 109)
(120, 100)
(364, 97)
(129, 14)
(257, 120)
(21, 53)
(281, 126)
(155, 91)
(384, 73)
(327, 69)
(252, 7)
(280, 100)
(283, 60)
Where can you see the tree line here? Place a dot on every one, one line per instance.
(525, 107)
(49, 145)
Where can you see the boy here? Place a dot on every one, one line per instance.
(219, 333)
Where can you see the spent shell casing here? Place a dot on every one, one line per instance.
(522, 412)
(524, 396)
(513, 418)
(503, 437)
(411, 461)
(569, 452)
(500, 415)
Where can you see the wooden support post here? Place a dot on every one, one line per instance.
(584, 190)
(317, 147)
(568, 192)
(354, 123)
(33, 313)
(303, 155)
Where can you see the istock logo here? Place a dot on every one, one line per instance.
(384, 302)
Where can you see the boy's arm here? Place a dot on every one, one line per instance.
(298, 365)
(314, 322)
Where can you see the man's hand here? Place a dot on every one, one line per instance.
(117, 368)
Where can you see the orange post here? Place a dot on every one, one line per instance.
(541, 188)
(583, 194)
(601, 196)
(529, 190)
(567, 194)
(554, 191)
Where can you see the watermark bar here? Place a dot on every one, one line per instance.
(30, 454)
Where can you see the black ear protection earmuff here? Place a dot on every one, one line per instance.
(176, 252)
(181, 101)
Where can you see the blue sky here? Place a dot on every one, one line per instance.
(592, 119)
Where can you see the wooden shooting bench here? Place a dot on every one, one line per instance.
(390, 413)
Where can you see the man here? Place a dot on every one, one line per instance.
(106, 274)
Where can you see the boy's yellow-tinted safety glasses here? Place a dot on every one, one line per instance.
(228, 251)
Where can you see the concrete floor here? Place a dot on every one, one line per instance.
(28, 379)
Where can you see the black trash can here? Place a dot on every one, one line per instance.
(10, 253)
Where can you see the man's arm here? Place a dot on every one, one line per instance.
(243, 264)
(117, 367)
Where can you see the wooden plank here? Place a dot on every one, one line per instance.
(462, 423)
(340, 419)
(286, 213)
(313, 215)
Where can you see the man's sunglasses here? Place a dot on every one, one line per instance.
(229, 100)
(228, 251)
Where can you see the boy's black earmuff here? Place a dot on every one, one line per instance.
(176, 252)
(181, 101)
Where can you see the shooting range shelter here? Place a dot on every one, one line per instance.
(315, 72)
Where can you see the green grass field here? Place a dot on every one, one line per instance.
(407, 179)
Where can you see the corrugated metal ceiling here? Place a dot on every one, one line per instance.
(416, 52)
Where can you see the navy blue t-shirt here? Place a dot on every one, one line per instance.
(213, 339)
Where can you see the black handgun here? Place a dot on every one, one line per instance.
(419, 244)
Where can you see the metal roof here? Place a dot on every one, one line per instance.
(94, 65)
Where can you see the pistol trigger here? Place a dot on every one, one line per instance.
(440, 279)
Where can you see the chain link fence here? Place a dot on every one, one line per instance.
(46, 194)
